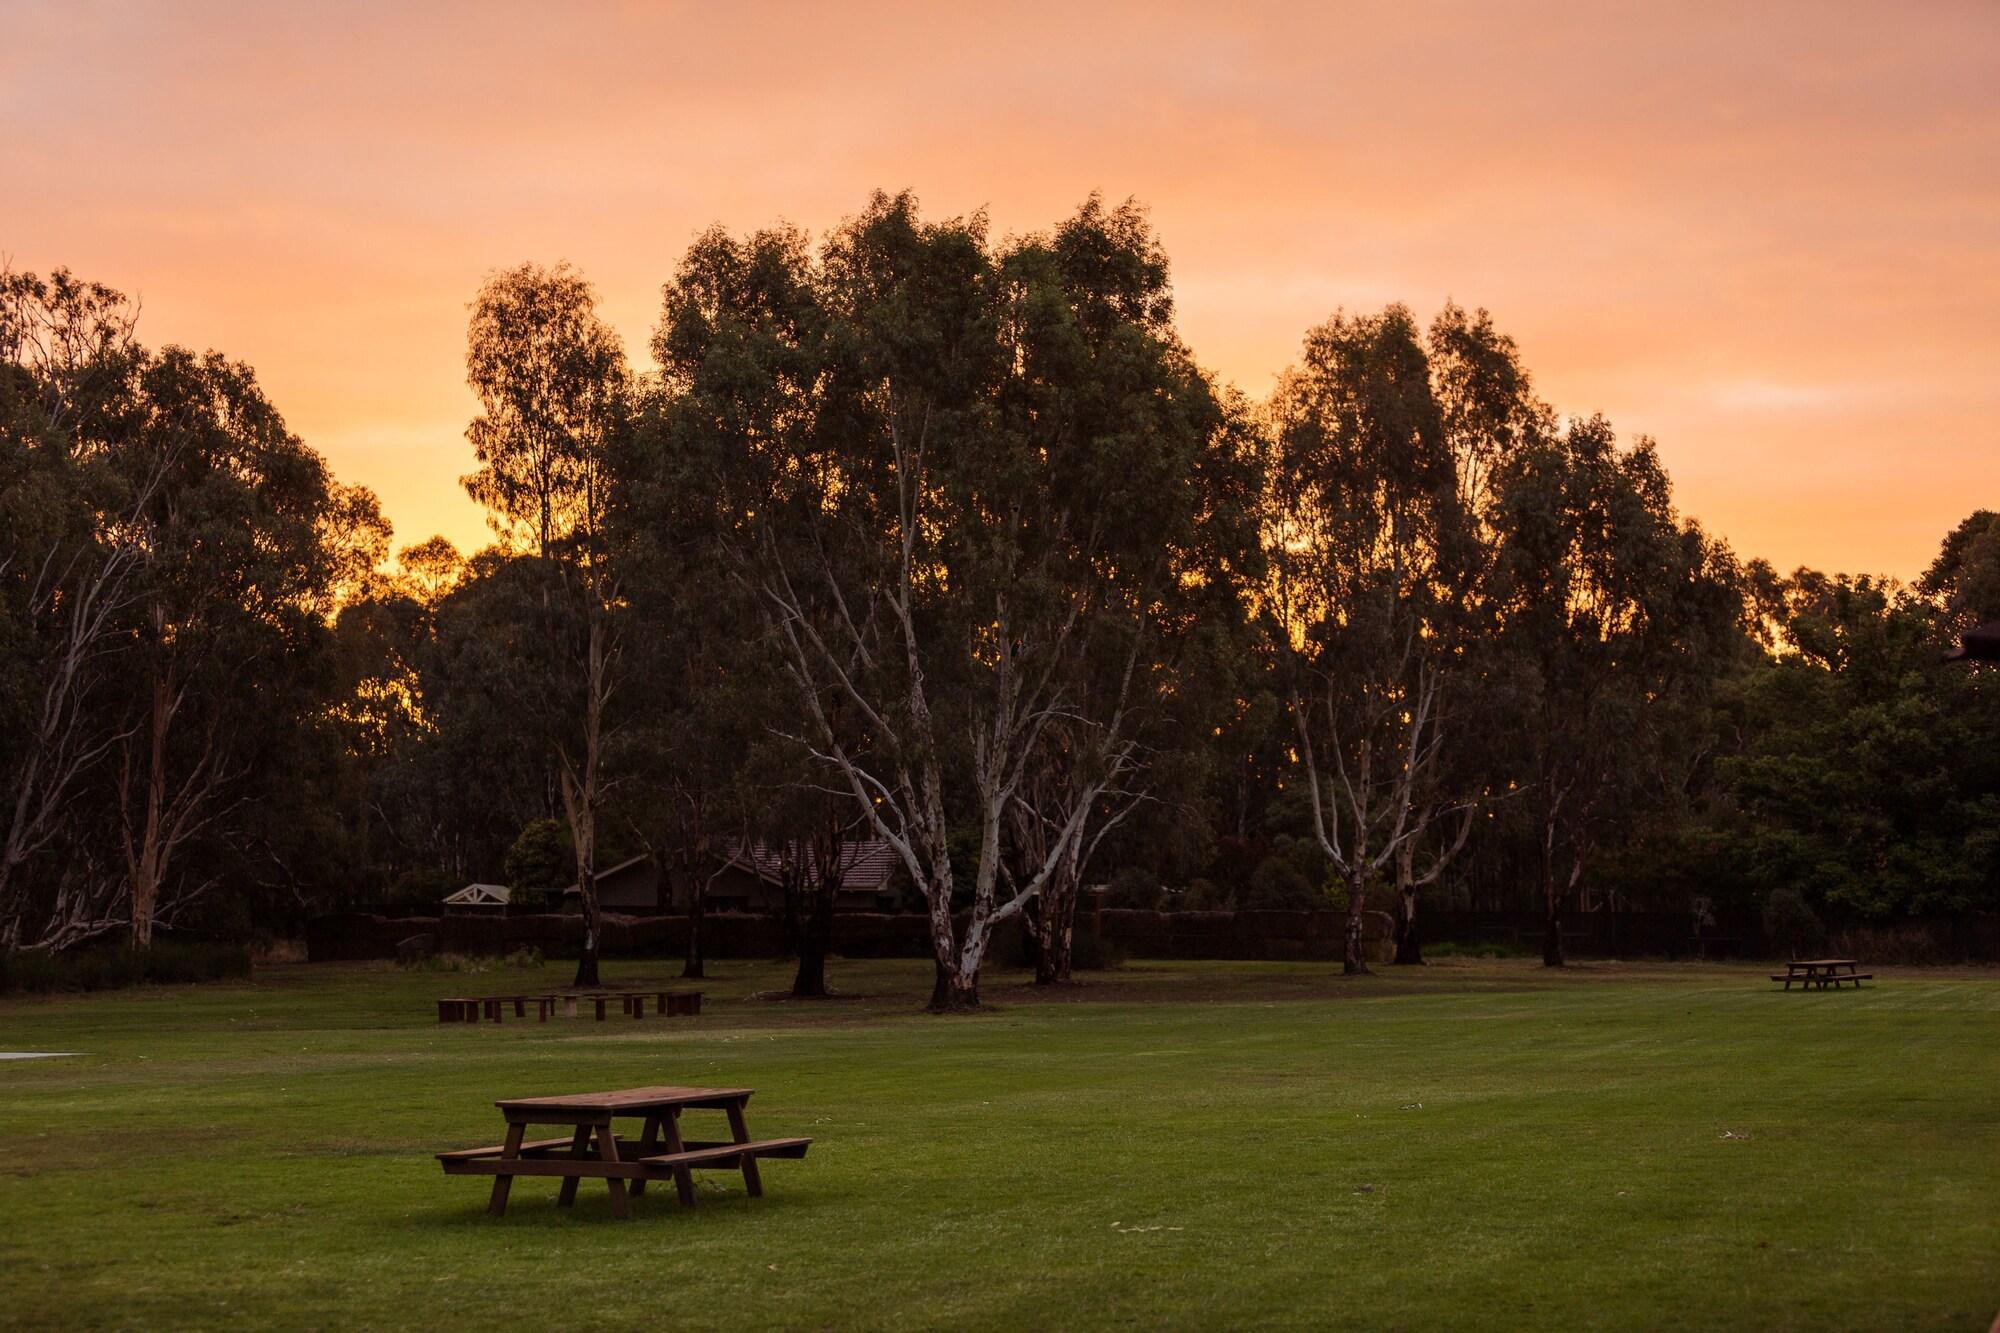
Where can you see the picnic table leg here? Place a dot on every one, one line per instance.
(607, 1150)
(520, 1008)
(647, 1139)
(739, 1132)
(600, 1008)
(579, 1145)
(683, 1178)
(569, 1006)
(497, 1205)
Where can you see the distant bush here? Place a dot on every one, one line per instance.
(109, 966)
(1133, 887)
(277, 951)
(458, 962)
(1913, 943)
(1287, 880)
(1792, 926)
(1203, 895)
(1478, 949)
(1091, 952)
(433, 962)
(419, 892)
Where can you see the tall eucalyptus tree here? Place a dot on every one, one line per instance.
(554, 396)
(1365, 520)
(1618, 612)
(954, 471)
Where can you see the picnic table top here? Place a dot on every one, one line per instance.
(1823, 962)
(650, 988)
(626, 1099)
(580, 994)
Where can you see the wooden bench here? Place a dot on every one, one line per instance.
(678, 1003)
(632, 1003)
(470, 1009)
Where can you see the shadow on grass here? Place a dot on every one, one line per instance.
(529, 1209)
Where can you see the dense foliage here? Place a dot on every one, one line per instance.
(951, 542)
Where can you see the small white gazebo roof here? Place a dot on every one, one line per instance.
(480, 895)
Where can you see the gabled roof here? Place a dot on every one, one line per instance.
(866, 864)
(480, 895)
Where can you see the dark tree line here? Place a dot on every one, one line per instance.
(921, 536)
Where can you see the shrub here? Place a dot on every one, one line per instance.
(419, 893)
(1918, 943)
(458, 962)
(267, 950)
(1792, 926)
(1204, 895)
(435, 962)
(1133, 887)
(1091, 952)
(1285, 879)
(1478, 949)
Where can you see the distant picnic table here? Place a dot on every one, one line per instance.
(659, 1153)
(631, 1003)
(1820, 973)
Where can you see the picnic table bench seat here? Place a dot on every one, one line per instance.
(532, 1145)
(694, 1153)
(728, 1154)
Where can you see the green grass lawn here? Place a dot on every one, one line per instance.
(1477, 1144)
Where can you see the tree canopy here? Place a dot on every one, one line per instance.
(913, 533)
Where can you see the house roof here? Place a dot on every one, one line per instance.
(609, 871)
(866, 864)
(480, 895)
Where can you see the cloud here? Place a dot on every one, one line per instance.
(1775, 396)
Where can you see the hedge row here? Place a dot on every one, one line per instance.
(113, 966)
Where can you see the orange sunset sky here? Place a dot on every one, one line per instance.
(1766, 234)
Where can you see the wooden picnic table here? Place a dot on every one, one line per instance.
(659, 1153)
(632, 1003)
(1820, 973)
